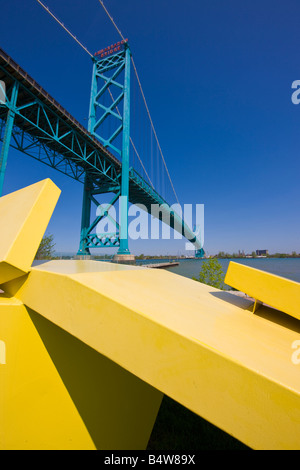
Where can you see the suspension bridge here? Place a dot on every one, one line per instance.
(104, 157)
(88, 349)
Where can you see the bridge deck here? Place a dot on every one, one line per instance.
(9, 71)
(27, 117)
(41, 122)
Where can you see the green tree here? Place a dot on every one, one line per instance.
(211, 274)
(46, 248)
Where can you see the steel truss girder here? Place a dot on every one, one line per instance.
(45, 129)
(90, 239)
(8, 133)
(114, 65)
(105, 240)
(100, 69)
(37, 149)
(110, 62)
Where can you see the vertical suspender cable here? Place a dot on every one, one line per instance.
(145, 102)
(91, 55)
(154, 132)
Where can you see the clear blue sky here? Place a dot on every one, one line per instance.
(217, 76)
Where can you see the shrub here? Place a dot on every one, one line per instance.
(211, 274)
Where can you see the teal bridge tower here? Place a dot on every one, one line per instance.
(34, 123)
(111, 71)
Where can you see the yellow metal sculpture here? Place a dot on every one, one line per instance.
(87, 349)
(278, 292)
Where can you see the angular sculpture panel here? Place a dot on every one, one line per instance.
(92, 347)
(24, 217)
(278, 292)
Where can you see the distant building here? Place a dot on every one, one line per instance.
(262, 252)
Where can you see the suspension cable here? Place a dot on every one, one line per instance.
(111, 19)
(144, 99)
(91, 55)
(131, 141)
(64, 27)
(154, 131)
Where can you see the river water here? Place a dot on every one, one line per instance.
(285, 267)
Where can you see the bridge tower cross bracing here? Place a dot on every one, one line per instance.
(11, 105)
(111, 71)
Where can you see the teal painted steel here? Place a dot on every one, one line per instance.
(200, 253)
(8, 132)
(92, 113)
(107, 80)
(42, 129)
(124, 249)
(107, 75)
(85, 217)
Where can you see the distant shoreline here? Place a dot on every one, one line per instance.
(176, 258)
